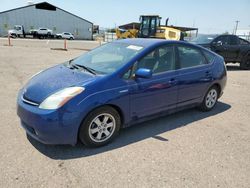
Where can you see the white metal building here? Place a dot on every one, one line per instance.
(45, 15)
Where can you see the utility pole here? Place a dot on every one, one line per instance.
(236, 27)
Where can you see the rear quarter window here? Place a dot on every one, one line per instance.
(244, 42)
(209, 56)
(190, 57)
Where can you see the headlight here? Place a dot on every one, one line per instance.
(59, 98)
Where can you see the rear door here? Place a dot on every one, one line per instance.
(194, 75)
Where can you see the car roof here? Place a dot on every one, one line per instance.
(149, 42)
(144, 42)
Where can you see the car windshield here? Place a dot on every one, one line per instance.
(108, 58)
(203, 39)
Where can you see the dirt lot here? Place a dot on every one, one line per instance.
(187, 149)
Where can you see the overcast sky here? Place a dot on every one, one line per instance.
(210, 16)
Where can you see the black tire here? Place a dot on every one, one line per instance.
(207, 104)
(245, 64)
(101, 128)
(70, 38)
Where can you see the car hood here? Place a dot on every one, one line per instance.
(52, 80)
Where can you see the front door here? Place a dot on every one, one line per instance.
(158, 93)
(233, 48)
(220, 45)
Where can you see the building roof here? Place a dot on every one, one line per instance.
(47, 6)
(132, 25)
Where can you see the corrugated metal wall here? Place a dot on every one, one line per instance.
(58, 21)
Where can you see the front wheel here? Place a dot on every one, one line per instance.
(100, 127)
(210, 99)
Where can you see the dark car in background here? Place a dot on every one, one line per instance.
(232, 48)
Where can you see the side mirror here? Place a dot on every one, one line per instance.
(143, 73)
(218, 43)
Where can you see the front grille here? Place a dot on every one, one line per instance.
(27, 101)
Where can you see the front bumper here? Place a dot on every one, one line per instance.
(49, 126)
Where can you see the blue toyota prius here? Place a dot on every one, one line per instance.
(93, 96)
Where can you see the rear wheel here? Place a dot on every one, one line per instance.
(245, 64)
(100, 127)
(210, 99)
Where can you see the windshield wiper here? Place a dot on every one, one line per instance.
(92, 71)
(73, 65)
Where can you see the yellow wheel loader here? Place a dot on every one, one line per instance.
(150, 27)
(126, 33)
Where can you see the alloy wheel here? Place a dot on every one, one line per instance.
(211, 98)
(102, 127)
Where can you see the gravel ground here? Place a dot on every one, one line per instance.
(187, 149)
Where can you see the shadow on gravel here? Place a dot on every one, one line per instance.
(136, 133)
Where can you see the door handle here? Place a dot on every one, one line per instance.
(208, 73)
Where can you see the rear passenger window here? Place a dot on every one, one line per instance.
(190, 57)
(244, 42)
(210, 57)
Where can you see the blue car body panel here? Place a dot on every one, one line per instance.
(51, 80)
(135, 100)
(153, 95)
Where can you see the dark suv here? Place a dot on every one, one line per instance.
(231, 47)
